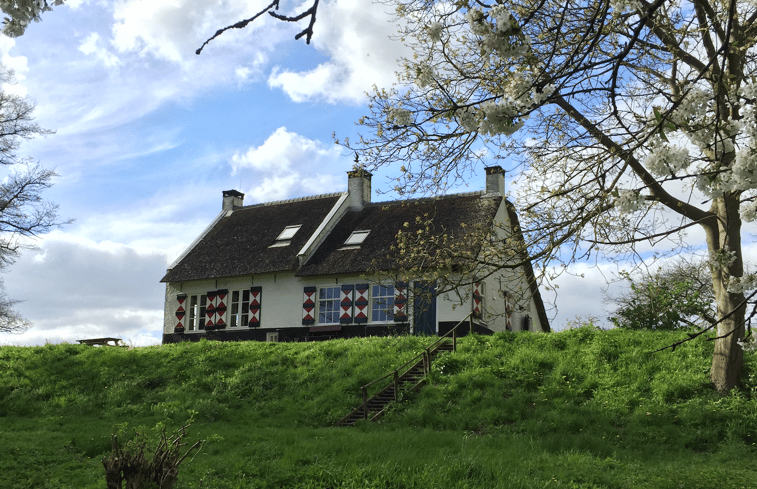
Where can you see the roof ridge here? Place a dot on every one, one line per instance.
(433, 197)
(296, 199)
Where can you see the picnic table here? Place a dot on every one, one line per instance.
(101, 342)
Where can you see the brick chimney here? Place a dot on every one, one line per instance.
(495, 180)
(359, 188)
(232, 199)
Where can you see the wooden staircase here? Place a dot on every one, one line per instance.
(411, 380)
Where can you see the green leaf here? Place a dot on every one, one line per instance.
(657, 114)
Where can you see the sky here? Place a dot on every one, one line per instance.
(148, 135)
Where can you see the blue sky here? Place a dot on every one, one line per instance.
(148, 135)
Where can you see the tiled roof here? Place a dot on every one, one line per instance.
(239, 244)
(453, 215)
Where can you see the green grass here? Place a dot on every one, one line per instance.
(577, 409)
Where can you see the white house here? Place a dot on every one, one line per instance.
(319, 266)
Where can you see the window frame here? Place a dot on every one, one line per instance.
(241, 317)
(195, 317)
(357, 237)
(284, 236)
(336, 300)
(387, 299)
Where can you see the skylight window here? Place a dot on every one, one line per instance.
(288, 233)
(356, 238)
(286, 236)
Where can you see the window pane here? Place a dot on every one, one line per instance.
(288, 233)
(382, 303)
(201, 317)
(192, 313)
(328, 305)
(357, 237)
(234, 313)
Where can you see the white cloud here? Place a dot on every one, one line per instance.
(172, 30)
(288, 164)
(17, 64)
(283, 150)
(73, 288)
(92, 45)
(581, 292)
(355, 37)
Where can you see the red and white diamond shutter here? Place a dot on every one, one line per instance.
(221, 298)
(180, 312)
(256, 294)
(361, 303)
(308, 305)
(478, 299)
(400, 302)
(210, 311)
(345, 304)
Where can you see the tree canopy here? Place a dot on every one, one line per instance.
(23, 211)
(676, 296)
(627, 123)
(20, 13)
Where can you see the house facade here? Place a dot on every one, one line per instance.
(328, 266)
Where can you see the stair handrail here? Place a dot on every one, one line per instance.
(426, 362)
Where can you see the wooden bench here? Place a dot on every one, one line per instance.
(101, 342)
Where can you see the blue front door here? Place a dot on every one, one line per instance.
(424, 308)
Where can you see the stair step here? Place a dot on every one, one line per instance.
(379, 402)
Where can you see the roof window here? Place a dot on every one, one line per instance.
(284, 239)
(356, 238)
(288, 232)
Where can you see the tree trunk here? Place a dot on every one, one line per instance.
(723, 240)
(728, 355)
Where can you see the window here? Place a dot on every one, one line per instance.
(196, 312)
(286, 235)
(382, 303)
(356, 238)
(240, 307)
(328, 305)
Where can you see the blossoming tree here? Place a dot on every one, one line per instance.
(632, 122)
(20, 13)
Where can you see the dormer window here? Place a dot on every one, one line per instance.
(356, 238)
(286, 235)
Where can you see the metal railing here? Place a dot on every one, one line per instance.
(410, 364)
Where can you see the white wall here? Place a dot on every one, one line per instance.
(282, 296)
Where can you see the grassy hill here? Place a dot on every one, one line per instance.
(576, 409)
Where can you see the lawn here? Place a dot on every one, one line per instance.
(577, 409)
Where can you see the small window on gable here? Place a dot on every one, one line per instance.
(356, 238)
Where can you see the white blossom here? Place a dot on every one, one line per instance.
(399, 116)
(693, 107)
(749, 344)
(424, 75)
(22, 12)
(629, 201)
(502, 37)
(667, 159)
(477, 21)
(740, 285)
(499, 118)
(622, 6)
(467, 119)
(502, 16)
(749, 211)
(722, 258)
(435, 31)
